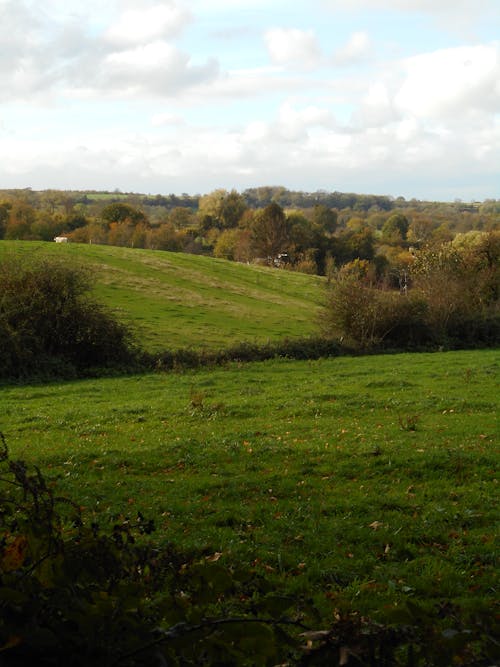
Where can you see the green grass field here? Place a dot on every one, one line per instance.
(175, 300)
(361, 482)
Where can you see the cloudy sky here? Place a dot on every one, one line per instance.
(396, 97)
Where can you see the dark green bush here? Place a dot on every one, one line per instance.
(313, 347)
(50, 325)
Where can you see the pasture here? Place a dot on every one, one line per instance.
(362, 483)
(174, 300)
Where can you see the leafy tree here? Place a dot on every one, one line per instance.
(395, 229)
(225, 246)
(325, 218)
(459, 282)
(21, 217)
(5, 208)
(223, 209)
(269, 232)
(166, 237)
(419, 229)
(74, 220)
(353, 244)
(122, 212)
(181, 216)
(46, 226)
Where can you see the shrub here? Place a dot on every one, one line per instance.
(451, 300)
(367, 316)
(50, 325)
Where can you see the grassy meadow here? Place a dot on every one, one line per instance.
(174, 300)
(363, 482)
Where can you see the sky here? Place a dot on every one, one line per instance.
(391, 97)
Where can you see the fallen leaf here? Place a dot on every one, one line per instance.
(376, 525)
(214, 557)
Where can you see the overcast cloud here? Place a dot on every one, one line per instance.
(373, 96)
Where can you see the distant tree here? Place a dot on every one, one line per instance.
(225, 245)
(223, 209)
(46, 226)
(21, 217)
(395, 229)
(325, 218)
(181, 216)
(354, 245)
(122, 212)
(419, 229)
(74, 220)
(166, 237)
(5, 208)
(269, 232)
(355, 223)
(120, 233)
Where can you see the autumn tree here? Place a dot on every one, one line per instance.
(5, 207)
(120, 212)
(325, 218)
(395, 229)
(166, 237)
(181, 217)
(269, 232)
(223, 209)
(21, 217)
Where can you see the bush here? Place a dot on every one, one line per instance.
(368, 317)
(451, 300)
(49, 324)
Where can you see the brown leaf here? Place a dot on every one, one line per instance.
(376, 525)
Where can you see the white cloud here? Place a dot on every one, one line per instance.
(294, 124)
(157, 69)
(451, 81)
(291, 46)
(145, 24)
(357, 49)
(428, 6)
(164, 115)
(166, 119)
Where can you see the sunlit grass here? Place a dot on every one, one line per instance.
(176, 300)
(363, 482)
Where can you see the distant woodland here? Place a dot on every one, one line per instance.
(308, 232)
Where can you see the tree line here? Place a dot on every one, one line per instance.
(300, 231)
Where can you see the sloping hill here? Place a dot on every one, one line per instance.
(176, 300)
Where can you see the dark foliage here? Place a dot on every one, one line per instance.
(287, 348)
(50, 326)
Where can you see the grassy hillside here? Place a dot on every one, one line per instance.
(363, 482)
(177, 300)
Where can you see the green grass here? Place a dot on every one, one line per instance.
(362, 482)
(176, 300)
